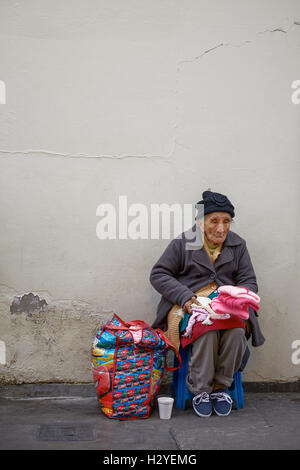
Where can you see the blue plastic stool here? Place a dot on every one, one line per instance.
(182, 393)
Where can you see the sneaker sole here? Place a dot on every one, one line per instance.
(202, 416)
(223, 414)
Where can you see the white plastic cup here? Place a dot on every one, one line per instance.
(165, 405)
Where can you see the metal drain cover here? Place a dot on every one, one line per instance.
(66, 432)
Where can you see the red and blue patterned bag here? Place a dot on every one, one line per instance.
(128, 361)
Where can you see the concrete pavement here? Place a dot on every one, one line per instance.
(68, 417)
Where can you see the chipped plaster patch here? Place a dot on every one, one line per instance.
(27, 303)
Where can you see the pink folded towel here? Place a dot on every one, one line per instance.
(237, 291)
(235, 300)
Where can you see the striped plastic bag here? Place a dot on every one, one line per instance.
(128, 363)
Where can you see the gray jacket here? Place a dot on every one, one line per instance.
(185, 267)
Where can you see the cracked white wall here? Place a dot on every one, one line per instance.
(157, 101)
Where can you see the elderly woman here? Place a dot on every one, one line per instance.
(194, 264)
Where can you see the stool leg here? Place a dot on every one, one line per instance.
(186, 393)
(240, 389)
(180, 379)
(185, 356)
(177, 388)
(236, 387)
(242, 394)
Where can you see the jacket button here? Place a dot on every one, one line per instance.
(212, 276)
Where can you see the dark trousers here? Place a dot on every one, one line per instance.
(214, 358)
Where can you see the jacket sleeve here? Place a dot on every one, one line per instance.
(245, 275)
(163, 275)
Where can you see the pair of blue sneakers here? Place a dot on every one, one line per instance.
(219, 401)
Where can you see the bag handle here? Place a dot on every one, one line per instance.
(126, 326)
(171, 345)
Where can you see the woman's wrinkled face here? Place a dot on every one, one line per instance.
(216, 226)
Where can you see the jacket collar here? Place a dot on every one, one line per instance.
(194, 242)
(232, 239)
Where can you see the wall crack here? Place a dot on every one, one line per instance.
(224, 44)
(80, 155)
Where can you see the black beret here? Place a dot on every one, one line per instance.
(216, 202)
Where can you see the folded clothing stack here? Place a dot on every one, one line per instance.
(235, 300)
(227, 307)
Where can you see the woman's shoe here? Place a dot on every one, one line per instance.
(222, 402)
(202, 405)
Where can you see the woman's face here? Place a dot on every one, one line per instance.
(216, 226)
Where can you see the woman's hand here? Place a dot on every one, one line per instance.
(187, 306)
